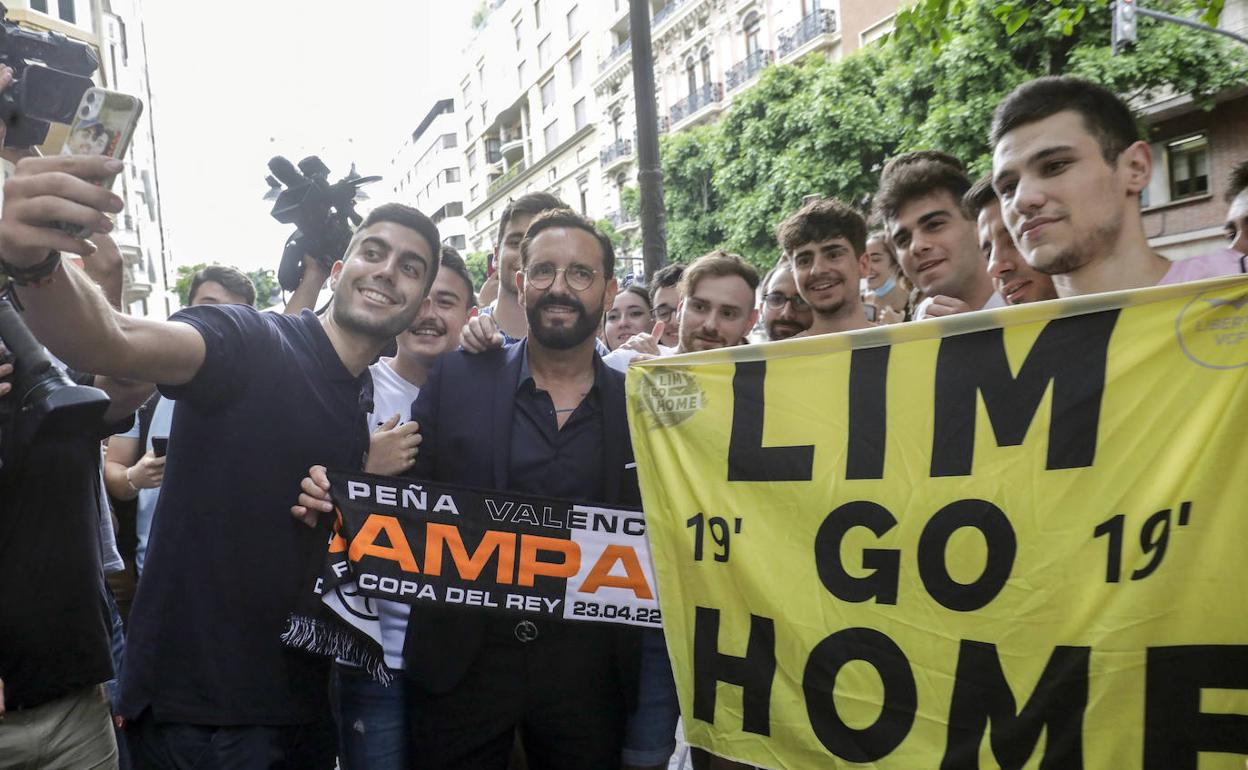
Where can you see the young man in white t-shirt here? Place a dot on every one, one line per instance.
(371, 717)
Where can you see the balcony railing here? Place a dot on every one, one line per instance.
(664, 12)
(665, 124)
(821, 22)
(620, 148)
(706, 95)
(511, 174)
(616, 53)
(620, 218)
(745, 70)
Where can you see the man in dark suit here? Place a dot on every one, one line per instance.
(545, 417)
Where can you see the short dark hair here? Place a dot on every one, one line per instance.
(820, 220)
(1104, 115)
(529, 204)
(665, 278)
(917, 178)
(1239, 181)
(980, 196)
(451, 260)
(717, 264)
(566, 217)
(640, 291)
(233, 280)
(412, 219)
(915, 156)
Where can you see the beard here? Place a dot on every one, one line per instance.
(584, 325)
(353, 319)
(1079, 253)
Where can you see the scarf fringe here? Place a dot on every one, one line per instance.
(320, 637)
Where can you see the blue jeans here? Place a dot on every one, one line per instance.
(650, 738)
(371, 719)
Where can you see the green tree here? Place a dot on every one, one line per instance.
(827, 127)
(478, 263)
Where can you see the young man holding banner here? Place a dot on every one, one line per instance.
(1069, 167)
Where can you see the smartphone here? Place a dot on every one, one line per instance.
(103, 125)
(160, 445)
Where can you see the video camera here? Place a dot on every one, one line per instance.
(41, 94)
(44, 402)
(323, 214)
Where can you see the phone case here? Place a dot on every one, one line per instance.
(103, 125)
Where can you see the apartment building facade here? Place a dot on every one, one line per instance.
(429, 172)
(115, 31)
(528, 111)
(705, 52)
(1194, 152)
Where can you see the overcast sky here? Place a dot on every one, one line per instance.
(234, 84)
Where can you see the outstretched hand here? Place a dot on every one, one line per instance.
(646, 343)
(481, 334)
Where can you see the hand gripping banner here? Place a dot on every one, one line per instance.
(1015, 538)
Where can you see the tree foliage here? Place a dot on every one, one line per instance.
(478, 263)
(827, 127)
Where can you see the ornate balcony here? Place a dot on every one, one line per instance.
(706, 95)
(745, 70)
(665, 12)
(511, 174)
(620, 149)
(821, 22)
(616, 53)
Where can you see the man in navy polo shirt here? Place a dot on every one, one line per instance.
(261, 397)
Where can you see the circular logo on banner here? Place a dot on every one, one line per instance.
(1213, 331)
(671, 396)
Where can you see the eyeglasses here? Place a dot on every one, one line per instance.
(776, 300)
(542, 276)
(663, 313)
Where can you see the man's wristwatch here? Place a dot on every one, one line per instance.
(33, 275)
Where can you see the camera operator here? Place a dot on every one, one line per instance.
(207, 677)
(55, 622)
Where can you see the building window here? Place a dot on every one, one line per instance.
(573, 25)
(515, 25)
(39, 5)
(537, 13)
(691, 75)
(576, 67)
(457, 242)
(552, 135)
(451, 175)
(520, 72)
(1188, 160)
(467, 89)
(706, 65)
(579, 115)
(584, 201)
(469, 131)
(543, 52)
(472, 160)
(548, 93)
(472, 192)
(617, 121)
(450, 140)
(66, 11)
(751, 29)
(809, 7)
(551, 175)
(455, 209)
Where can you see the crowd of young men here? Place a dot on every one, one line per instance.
(530, 404)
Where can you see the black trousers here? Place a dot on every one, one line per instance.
(560, 690)
(178, 746)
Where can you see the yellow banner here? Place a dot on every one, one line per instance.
(1015, 538)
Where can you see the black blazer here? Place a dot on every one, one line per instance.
(465, 414)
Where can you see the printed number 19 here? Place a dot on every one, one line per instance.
(720, 533)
